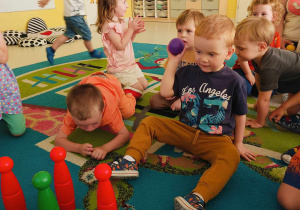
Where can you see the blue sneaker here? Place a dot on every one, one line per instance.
(287, 156)
(124, 169)
(189, 202)
(97, 54)
(50, 55)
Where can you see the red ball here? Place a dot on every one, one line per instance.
(176, 46)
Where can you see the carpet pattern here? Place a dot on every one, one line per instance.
(167, 172)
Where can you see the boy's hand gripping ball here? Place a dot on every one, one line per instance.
(176, 46)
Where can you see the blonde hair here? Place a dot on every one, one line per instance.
(256, 29)
(216, 27)
(83, 100)
(105, 12)
(188, 15)
(277, 8)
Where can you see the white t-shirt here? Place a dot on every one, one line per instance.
(74, 8)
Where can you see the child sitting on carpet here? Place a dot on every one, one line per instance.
(75, 24)
(10, 101)
(275, 68)
(273, 11)
(214, 104)
(97, 101)
(289, 191)
(117, 38)
(186, 24)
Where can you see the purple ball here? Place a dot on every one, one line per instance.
(176, 46)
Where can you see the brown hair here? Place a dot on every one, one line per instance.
(256, 29)
(216, 27)
(105, 12)
(277, 8)
(83, 100)
(188, 15)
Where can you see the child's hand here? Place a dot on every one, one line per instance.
(244, 152)
(136, 24)
(176, 58)
(285, 42)
(86, 149)
(99, 153)
(277, 114)
(250, 78)
(176, 106)
(170, 98)
(42, 3)
(253, 124)
(141, 26)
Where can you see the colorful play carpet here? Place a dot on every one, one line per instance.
(167, 172)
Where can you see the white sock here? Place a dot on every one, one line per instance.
(129, 158)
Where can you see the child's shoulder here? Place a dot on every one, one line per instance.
(117, 26)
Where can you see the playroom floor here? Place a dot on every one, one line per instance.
(156, 33)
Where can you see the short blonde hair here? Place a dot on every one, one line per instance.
(216, 27)
(277, 8)
(83, 100)
(188, 15)
(255, 29)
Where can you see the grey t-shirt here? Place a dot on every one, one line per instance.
(279, 69)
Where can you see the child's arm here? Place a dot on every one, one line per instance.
(278, 113)
(239, 136)
(167, 82)
(262, 110)
(140, 30)
(121, 42)
(43, 3)
(122, 138)
(3, 50)
(248, 72)
(69, 146)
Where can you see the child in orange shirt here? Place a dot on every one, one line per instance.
(97, 101)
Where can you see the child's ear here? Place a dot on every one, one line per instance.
(274, 17)
(262, 46)
(229, 53)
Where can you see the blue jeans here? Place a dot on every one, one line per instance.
(77, 25)
(249, 86)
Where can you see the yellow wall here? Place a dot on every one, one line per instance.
(231, 8)
(52, 17)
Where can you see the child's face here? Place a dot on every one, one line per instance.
(210, 54)
(121, 8)
(264, 11)
(91, 123)
(186, 33)
(246, 50)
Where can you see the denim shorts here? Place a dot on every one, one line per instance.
(77, 25)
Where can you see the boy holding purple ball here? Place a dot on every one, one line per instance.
(214, 106)
(186, 24)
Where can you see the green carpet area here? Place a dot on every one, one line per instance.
(167, 172)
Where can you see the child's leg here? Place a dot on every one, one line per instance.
(59, 41)
(127, 106)
(159, 102)
(15, 123)
(289, 191)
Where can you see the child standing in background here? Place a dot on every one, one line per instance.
(272, 10)
(275, 68)
(75, 24)
(10, 99)
(214, 105)
(117, 39)
(186, 25)
(289, 26)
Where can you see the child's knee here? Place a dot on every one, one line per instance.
(16, 123)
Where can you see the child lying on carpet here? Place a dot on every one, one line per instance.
(289, 191)
(97, 101)
(10, 101)
(117, 38)
(214, 104)
(275, 68)
(186, 24)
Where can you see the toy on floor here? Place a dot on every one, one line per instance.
(176, 46)
(13, 196)
(291, 122)
(290, 47)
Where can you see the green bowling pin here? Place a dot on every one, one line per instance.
(46, 198)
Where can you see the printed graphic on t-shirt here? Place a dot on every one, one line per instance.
(293, 6)
(214, 101)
